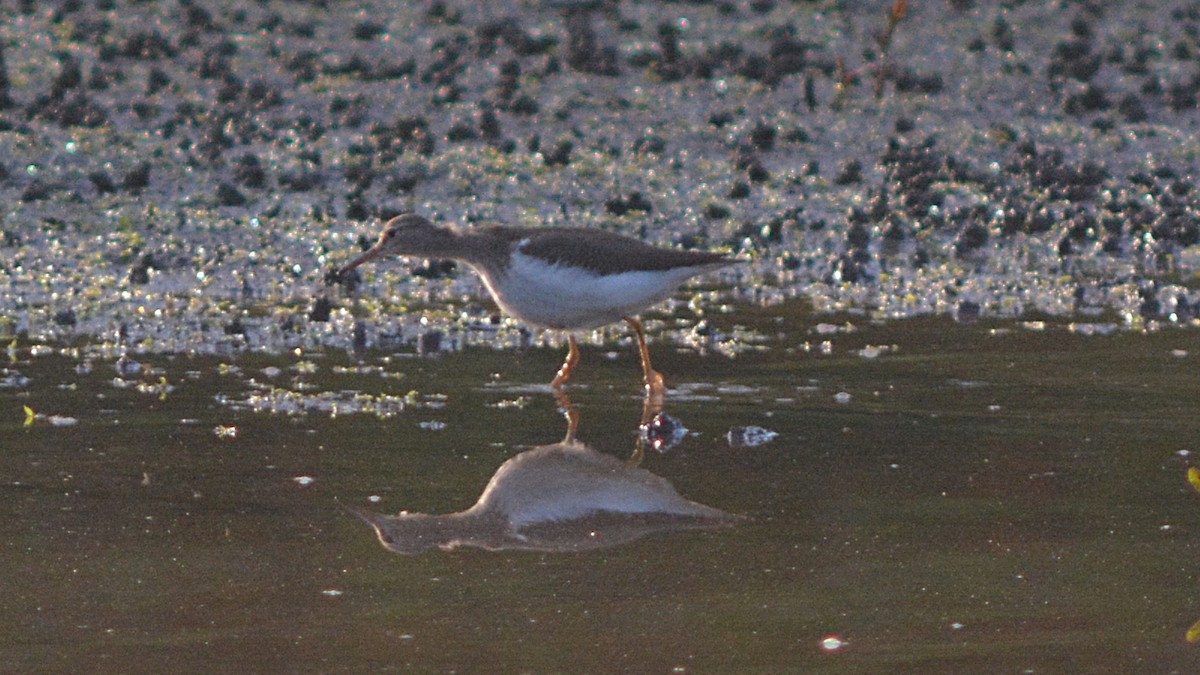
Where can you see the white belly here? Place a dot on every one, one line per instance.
(567, 298)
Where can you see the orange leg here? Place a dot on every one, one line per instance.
(568, 366)
(655, 386)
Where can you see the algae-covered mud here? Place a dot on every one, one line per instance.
(181, 176)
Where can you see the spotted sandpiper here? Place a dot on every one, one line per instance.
(568, 279)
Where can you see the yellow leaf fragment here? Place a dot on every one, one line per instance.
(1193, 634)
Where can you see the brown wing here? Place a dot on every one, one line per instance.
(605, 252)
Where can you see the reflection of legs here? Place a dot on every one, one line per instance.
(652, 405)
(654, 380)
(568, 411)
(568, 366)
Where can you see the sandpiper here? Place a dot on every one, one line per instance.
(561, 497)
(568, 279)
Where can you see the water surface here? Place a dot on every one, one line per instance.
(996, 495)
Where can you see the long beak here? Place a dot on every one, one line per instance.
(368, 255)
(369, 517)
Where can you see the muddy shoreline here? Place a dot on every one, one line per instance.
(181, 175)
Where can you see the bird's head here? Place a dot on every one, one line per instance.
(407, 234)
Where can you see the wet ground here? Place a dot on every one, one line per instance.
(967, 312)
(986, 496)
(182, 177)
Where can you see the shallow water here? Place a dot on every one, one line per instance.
(996, 495)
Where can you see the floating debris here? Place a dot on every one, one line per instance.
(367, 370)
(519, 403)
(749, 437)
(1092, 328)
(223, 431)
(304, 481)
(738, 389)
(283, 401)
(663, 432)
(832, 329)
(32, 417)
(160, 389)
(433, 425)
(967, 384)
(13, 380)
(127, 368)
(875, 351)
(831, 644)
(842, 397)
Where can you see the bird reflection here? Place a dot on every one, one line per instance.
(560, 497)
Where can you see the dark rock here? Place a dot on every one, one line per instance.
(37, 190)
(248, 172)
(489, 124)
(429, 342)
(321, 309)
(858, 236)
(716, 211)
(851, 173)
(971, 239)
(137, 178)
(1002, 34)
(147, 45)
(5, 99)
(1090, 99)
(228, 195)
(619, 206)
(762, 136)
(560, 155)
(461, 131)
(757, 173)
(1130, 107)
(967, 311)
(299, 181)
(908, 81)
(65, 317)
(368, 30)
(435, 269)
(584, 52)
(75, 111)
